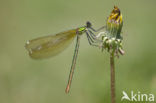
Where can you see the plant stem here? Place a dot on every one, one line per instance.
(112, 67)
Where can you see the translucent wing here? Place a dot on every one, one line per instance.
(48, 46)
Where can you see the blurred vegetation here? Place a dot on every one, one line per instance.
(23, 80)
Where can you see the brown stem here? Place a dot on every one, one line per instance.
(112, 67)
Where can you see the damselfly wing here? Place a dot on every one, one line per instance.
(49, 46)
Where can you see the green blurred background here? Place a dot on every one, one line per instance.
(23, 80)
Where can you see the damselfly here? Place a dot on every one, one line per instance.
(48, 46)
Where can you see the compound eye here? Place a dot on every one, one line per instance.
(88, 24)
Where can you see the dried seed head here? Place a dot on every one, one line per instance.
(112, 40)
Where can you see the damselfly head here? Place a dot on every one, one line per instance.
(88, 24)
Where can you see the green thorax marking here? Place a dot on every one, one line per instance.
(81, 30)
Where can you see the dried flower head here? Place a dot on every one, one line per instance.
(112, 40)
